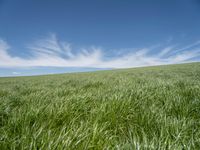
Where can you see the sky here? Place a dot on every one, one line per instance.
(58, 36)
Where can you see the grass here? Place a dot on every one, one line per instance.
(143, 108)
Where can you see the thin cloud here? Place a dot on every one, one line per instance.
(165, 51)
(54, 53)
(16, 73)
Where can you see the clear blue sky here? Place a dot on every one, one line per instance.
(103, 32)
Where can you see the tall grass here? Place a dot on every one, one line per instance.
(143, 108)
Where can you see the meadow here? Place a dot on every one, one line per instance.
(140, 108)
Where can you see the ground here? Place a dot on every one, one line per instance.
(141, 108)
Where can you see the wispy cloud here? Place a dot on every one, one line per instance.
(16, 73)
(55, 53)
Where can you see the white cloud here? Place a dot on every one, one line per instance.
(16, 73)
(52, 52)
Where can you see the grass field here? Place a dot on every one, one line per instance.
(141, 108)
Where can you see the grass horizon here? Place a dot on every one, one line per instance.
(95, 70)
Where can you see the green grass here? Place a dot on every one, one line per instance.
(142, 108)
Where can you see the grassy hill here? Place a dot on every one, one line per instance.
(141, 108)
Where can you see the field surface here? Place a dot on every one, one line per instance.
(141, 108)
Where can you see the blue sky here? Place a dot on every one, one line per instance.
(55, 36)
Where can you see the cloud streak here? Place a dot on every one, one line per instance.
(54, 53)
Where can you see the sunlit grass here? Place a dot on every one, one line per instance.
(143, 108)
